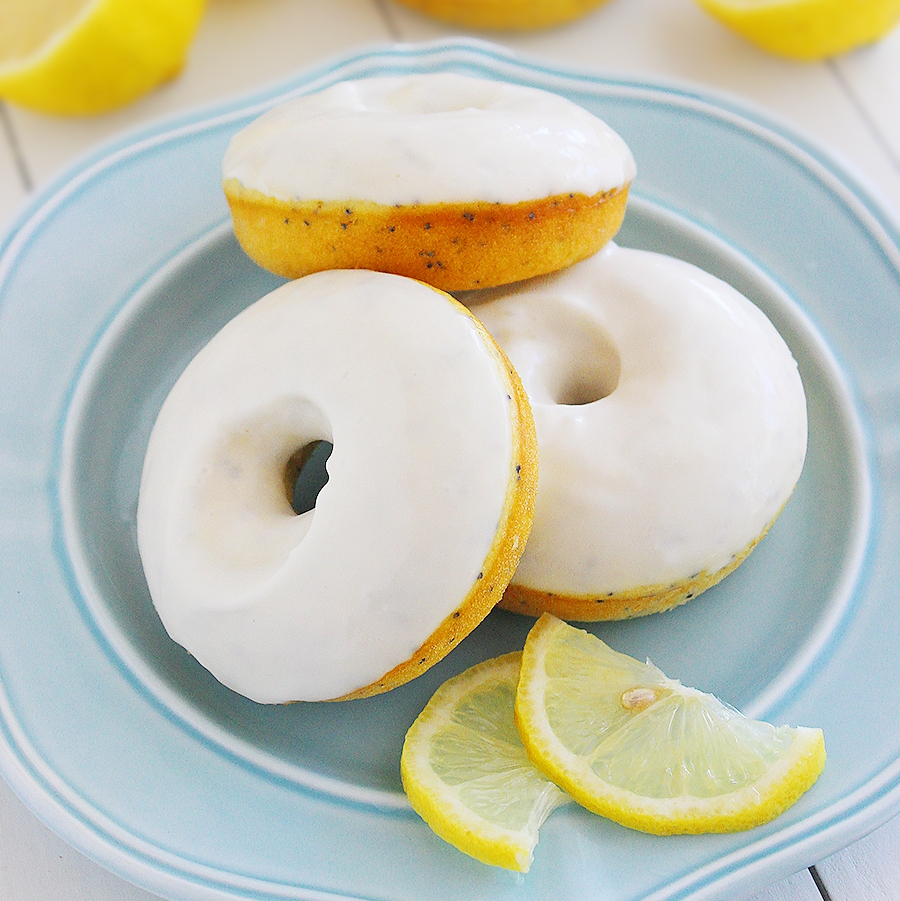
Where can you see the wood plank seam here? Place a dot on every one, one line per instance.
(15, 149)
(870, 123)
(820, 885)
(381, 6)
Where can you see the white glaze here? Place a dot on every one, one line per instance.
(397, 376)
(693, 450)
(428, 139)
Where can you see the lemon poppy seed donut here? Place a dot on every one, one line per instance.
(414, 536)
(505, 15)
(456, 181)
(671, 423)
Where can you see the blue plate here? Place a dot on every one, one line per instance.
(118, 273)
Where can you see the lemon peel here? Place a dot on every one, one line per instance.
(466, 773)
(80, 57)
(806, 30)
(637, 747)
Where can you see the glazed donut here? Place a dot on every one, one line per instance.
(421, 523)
(506, 15)
(456, 181)
(671, 424)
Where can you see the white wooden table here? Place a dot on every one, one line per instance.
(850, 105)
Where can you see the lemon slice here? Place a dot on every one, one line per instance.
(639, 748)
(466, 772)
(807, 29)
(78, 57)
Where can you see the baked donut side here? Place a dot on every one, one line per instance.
(457, 181)
(671, 422)
(623, 604)
(513, 15)
(453, 246)
(414, 536)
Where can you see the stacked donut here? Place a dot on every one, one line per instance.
(665, 411)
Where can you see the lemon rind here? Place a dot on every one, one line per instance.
(68, 75)
(805, 30)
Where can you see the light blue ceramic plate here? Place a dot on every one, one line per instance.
(118, 273)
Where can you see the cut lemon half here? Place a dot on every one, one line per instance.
(629, 743)
(806, 29)
(78, 57)
(466, 772)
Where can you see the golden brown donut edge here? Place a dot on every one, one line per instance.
(619, 605)
(452, 246)
(509, 541)
(503, 15)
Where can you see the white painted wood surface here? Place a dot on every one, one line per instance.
(850, 105)
(799, 887)
(868, 870)
(873, 77)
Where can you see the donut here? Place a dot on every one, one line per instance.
(671, 423)
(455, 181)
(412, 540)
(504, 15)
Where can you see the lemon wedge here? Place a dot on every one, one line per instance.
(629, 743)
(807, 29)
(77, 57)
(466, 772)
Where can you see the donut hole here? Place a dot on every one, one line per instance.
(578, 362)
(562, 354)
(596, 378)
(243, 495)
(306, 474)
